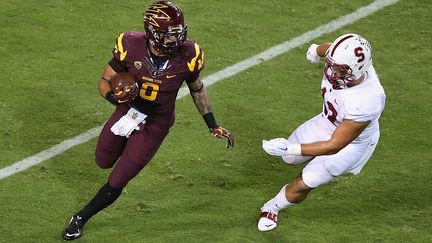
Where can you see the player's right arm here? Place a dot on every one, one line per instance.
(104, 86)
(114, 66)
(322, 49)
(344, 134)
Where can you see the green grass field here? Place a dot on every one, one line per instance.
(195, 190)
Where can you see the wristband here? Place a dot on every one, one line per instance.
(110, 97)
(210, 120)
(294, 149)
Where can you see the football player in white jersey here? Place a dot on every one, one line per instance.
(342, 138)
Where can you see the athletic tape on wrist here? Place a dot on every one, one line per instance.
(294, 149)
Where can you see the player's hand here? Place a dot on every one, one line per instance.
(277, 146)
(220, 132)
(125, 92)
(312, 54)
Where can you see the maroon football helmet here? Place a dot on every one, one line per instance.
(165, 27)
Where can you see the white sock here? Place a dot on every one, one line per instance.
(277, 203)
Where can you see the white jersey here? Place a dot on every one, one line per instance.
(361, 103)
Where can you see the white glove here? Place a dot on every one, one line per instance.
(281, 147)
(312, 54)
(128, 123)
(276, 146)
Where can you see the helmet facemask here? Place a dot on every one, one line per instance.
(168, 42)
(339, 75)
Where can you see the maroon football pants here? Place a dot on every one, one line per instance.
(130, 155)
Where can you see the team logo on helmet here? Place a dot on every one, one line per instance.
(156, 12)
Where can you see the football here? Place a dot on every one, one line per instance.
(124, 86)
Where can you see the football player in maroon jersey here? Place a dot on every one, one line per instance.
(161, 58)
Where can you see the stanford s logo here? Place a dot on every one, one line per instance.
(138, 64)
(359, 53)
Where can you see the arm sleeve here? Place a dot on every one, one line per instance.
(117, 65)
(195, 65)
(192, 77)
(119, 54)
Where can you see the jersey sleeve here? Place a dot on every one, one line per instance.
(119, 54)
(196, 64)
(363, 109)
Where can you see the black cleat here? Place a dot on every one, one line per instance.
(74, 229)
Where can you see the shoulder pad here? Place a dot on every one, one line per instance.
(194, 56)
(124, 42)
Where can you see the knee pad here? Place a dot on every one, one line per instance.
(315, 174)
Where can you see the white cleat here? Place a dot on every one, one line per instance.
(267, 221)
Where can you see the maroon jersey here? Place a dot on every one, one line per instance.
(160, 81)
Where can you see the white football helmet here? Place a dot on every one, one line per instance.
(347, 59)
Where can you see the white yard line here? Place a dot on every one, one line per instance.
(209, 80)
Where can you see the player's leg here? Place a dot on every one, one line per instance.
(313, 175)
(110, 146)
(352, 158)
(323, 169)
(103, 198)
(319, 171)
(108, 150)
(315, 129)
(139, 150)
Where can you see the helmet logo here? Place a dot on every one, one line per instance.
(154, 12)
(359, 53)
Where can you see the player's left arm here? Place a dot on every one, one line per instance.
(202, 102)
(200, 96)
(315, 52)
(344, 134)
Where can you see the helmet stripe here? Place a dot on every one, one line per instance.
(340, 42)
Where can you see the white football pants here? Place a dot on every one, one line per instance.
(322, 169)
